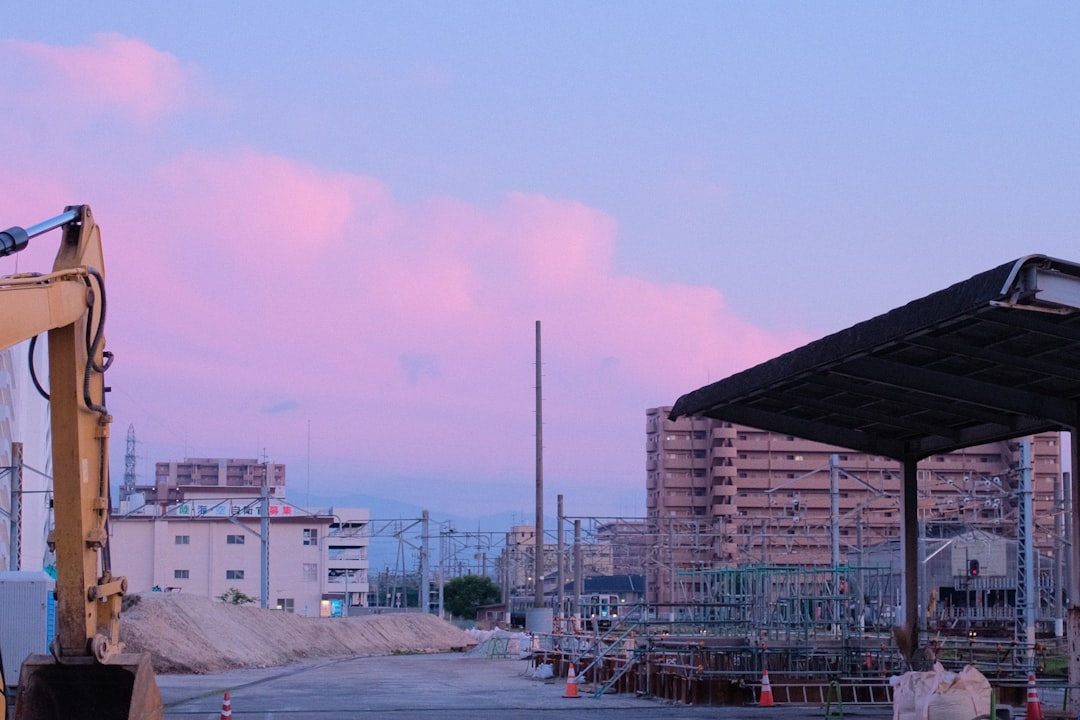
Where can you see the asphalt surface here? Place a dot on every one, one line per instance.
(448, 687)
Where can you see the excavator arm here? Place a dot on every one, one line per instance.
(87, 675)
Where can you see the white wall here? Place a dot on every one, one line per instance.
(24, 417)
(145, 550)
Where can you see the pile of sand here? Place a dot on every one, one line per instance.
(189, 634)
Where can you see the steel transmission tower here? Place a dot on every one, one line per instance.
(128, 488)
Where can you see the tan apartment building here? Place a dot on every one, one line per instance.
(173, 480)
(724, 495)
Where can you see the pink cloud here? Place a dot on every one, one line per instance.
(251, 293)
(279, 279)
(116, 73)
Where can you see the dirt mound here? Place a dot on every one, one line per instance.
(188, 634)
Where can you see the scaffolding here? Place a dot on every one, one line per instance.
(793, 603)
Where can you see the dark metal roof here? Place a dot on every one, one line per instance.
(994, 357)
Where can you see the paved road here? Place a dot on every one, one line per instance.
(447, 687)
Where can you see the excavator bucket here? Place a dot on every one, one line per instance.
(123, 688)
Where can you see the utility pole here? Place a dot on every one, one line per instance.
(538, 561)
(1059, 564)
(1025, 557)
(264, 540)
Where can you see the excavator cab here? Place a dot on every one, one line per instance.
(87, 675)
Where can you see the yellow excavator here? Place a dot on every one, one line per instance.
(87, 675)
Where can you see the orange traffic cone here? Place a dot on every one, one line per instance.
(571, 684)
(1034, 707)
(226, 708)
(766, 690)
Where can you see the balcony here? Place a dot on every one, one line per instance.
(348, 532)
(343, 576)
(347, 553)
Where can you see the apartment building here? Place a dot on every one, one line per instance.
(723, 495)
(207, 477)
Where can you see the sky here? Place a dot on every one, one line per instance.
(331, 228)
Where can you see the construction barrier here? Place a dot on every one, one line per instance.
(1034, 707)
(571, 683)
(765, 699)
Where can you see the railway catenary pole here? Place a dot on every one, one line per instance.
(579, 570)
(561, 540)
(424, 596)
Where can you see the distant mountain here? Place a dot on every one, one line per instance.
(386, 509)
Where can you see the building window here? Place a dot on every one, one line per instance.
(311, 572)
(311, 536)
(234, 574)
(182, 539)
(181, 574)
(234, 540)
(285, 604)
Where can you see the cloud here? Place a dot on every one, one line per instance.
(280, 406)
(419, 366)
(403, 329)
(113, 74)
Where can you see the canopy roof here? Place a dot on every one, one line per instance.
(994, 357)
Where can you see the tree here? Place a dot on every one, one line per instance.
(234, 596)
(463, 595)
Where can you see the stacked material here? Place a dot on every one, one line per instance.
(189, 634)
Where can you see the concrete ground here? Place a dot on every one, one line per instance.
(448, 687)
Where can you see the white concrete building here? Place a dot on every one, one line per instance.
(24, 418)
(318, 558)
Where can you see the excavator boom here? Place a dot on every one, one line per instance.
(87, 675)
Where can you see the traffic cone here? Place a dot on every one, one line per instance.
(766, 690)
(571, 684)
(1034, 707)
(226, 708)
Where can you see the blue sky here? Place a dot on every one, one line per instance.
(792, 168)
